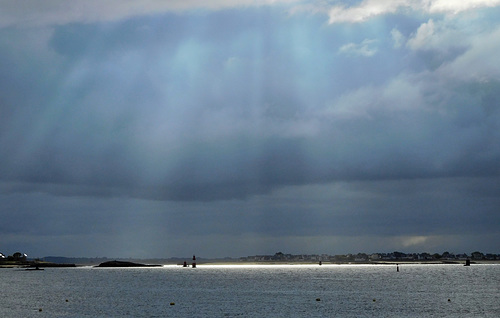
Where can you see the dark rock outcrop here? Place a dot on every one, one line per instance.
(124, 264)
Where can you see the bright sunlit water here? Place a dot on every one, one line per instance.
(254, 291)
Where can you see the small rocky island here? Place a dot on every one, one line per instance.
(124, 264)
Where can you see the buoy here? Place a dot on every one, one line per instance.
(66, 300)
(374, 299)
(172, 304)
(449, 299)
(397, 267)
(194, 262)
(317, 299)
(39, 309)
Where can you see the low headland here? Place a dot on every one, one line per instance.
(21, 260)
(33, 264)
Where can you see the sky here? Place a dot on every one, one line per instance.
(230, 128)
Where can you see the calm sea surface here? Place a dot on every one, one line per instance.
(253, 291)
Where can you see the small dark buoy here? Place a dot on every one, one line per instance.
(194, 262)
(374, 300)
(320, 263)
(449, 299)
(397, 267)
(467, 262)
(185, 264)
(66, 300)
(317, 299)
(39, 309)
(172, 304)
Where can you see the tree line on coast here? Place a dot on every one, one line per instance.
(374, 257)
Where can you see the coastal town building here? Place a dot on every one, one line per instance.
(17, 257)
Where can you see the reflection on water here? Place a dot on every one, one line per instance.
(254, 291)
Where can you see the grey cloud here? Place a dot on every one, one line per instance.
(56, 12)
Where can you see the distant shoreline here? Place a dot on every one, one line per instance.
(264, 263)
(478, 262)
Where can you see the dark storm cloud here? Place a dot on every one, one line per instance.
(400, 211)
(276, 122)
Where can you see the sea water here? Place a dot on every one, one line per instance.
(253, 291)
